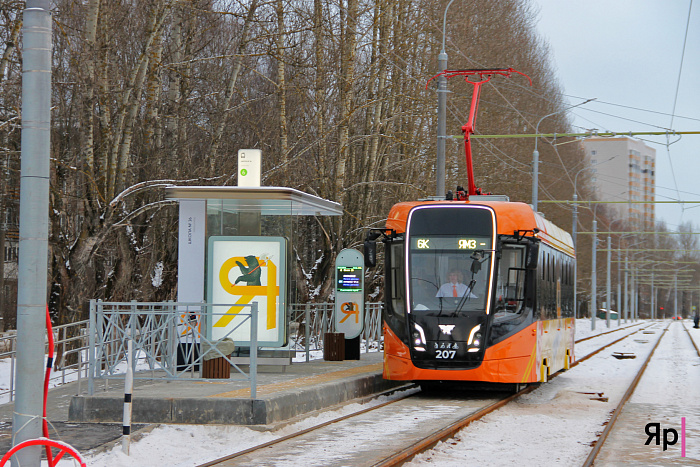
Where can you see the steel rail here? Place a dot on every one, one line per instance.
(449, 432)
(315, 427)
(691, 339)
(609, 332)
(606, 346)
(432, 439)
(611, 423)
(446, 433)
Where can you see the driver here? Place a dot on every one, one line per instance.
(454, 287)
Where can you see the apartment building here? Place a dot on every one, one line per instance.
(623, 170)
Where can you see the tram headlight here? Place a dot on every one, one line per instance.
(475, 336)
(418, 337)
(477, 339)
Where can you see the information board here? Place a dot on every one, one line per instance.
(349, 293)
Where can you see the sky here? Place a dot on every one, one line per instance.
(627, 54)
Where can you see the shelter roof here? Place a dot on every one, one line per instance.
(268, 200)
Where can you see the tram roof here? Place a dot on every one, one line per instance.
(510, 217)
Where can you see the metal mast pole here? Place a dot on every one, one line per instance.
(608, 289)
(535, 176)
(675, 295)
(573, 234)
(653, 295)
(619, 291)
(442, 114)
(635, 298)
(594, 289)
(33, 228)
(627, 293)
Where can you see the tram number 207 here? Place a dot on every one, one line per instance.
(445, 354)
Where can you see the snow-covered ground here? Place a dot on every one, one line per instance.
(531, 431)
(556, 424)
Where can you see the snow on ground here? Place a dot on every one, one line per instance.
(521, 433)
(191, 445)
(555, 424)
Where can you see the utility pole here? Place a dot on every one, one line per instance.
(607, 284)
(594, 289)
(573, 235)
(627, 306)
(33, 228)
(442, 114)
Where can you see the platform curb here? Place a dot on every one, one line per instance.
(268, 409)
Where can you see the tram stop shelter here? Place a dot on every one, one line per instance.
(235, 245)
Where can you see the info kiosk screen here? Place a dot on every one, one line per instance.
(349, 279)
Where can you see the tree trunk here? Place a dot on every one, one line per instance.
(119, 157)
(281, 83)
(88, 127)
(320, 91)
(231, 88)
(11, 47)
(347, 80)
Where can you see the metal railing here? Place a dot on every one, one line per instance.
(119, 321)
(312, 320)
(166, 337)
(70, 363)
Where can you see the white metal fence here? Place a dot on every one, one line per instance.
(166, 338)
(70, 363)
(310, 321)
(162, 335)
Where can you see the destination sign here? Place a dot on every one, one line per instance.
(450, 243)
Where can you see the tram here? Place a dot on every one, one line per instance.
(506, 317)
(477, 288)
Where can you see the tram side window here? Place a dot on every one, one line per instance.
(398, 286)
(510, 284)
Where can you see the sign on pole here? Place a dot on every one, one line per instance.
(249, 161)
(242, 270)
(349, 293)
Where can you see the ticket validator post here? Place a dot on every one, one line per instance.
(350, 300)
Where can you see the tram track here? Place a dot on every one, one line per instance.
(600, 443)
(450, 431)
(610, 332)
(454, 434)
(253, 449)
(418, 444)
(630, 390)
(592, 354)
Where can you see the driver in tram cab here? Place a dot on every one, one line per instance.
(454, 287)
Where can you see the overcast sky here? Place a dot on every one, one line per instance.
(628, 53)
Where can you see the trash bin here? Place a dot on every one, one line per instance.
(334, 346)
(187, 354)
(214, 366)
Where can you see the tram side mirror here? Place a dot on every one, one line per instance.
(476, 266)
(533, 255)
(370, 252)
(370, 248)
(476, 262)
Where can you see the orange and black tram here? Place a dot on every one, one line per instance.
(476, 291)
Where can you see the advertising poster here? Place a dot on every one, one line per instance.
(242, 270)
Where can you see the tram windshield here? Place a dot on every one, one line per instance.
(449, 275)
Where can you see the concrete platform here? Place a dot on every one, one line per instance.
(301, 388)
